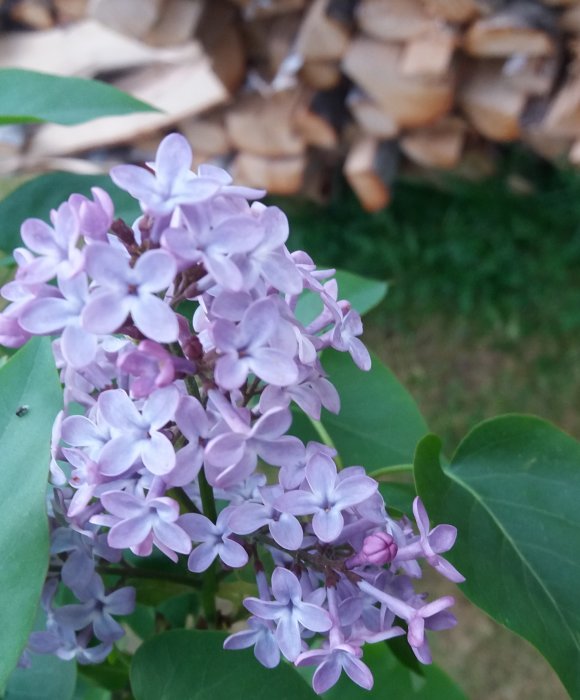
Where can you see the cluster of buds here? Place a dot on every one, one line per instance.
(180, 354)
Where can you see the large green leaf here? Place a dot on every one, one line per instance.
(512, 490)
(394, 680)
(30, 398)
(37, 197)
(379, 423)
(28, 96)
(192, 664)
(47, 677)
(363, 293)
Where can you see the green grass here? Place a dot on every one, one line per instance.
(471, 251)
(483, 311)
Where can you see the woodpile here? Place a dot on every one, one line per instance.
(284, 92)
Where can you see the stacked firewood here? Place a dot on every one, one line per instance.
(285, 92)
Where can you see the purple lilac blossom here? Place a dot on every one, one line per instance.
(180, 352)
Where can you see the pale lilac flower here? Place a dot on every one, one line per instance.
(66, 645)
(124, 290)
(270, 258)
(192, 421)
(344, 338)
(56, 247)
(215, 541)
(172, 182)
(233, 455)
(332, 661)
(49, 315)
(214, 247)
(251, 516)
(290, 612)
(136, 434)
(95, 216)
(97, 609)
(327, 498)
(244, 348)
(150, 367)
(260, 635)
(140, 523)
(310, 394)
(416, 617)
(430, 543)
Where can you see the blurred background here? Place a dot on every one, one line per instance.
(428, 143)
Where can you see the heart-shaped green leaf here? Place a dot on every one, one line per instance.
(513, 491)
(192, 664)
(30, 398)
(379, 423)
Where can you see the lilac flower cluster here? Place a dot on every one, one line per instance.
(180, 354)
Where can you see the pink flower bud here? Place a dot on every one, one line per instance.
(379, 548)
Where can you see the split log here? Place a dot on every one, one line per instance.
(520, 29)
(570, 20)
(575, 153)
(228, 57)
(207, 135)
(32, 14)
(412, 101)
(438, 146)
(563, 116)
(319, 119)
(491, 103)
(430, 53)
(179, 91)
(257, 9)
(264, 126)
(459, 11)
(131, 17)
(545, 143)
(177, 23)
(220, 35)
(77, 50)
(70, 10)
(270, 41)
(393, 20)
(277, 175)
(372, 120)
(534, 75)
(370, 169)
(320, 75)
(321, 37)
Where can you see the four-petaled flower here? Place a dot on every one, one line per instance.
(290, 612)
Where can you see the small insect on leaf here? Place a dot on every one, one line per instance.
(22, 411)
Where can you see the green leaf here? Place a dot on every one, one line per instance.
(29, 386)
(112, 674)
(47, 677)
(28, 96)
(192, 664)
(37, 197)
(398, 496)
(364, 294)
(394, 680)
(85, 690)
(379, 423)
(512, 490)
